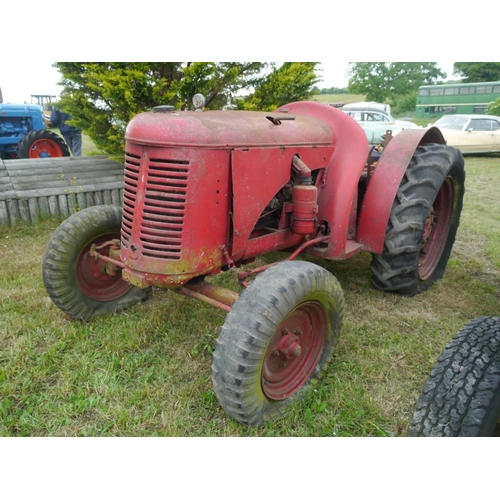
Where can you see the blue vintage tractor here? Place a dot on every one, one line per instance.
(23, 133)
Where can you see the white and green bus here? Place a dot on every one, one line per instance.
(434, 101)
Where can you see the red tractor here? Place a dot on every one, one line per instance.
(206, 191)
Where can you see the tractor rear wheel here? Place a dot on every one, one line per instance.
(462, 394)
(423, 222)
(42, 144)
(79, 284)
(277, 339)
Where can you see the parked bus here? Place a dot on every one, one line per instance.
(434, 101)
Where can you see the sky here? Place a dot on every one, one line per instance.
(222, 32)
(19, 81)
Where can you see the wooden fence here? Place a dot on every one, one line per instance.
(31, 190)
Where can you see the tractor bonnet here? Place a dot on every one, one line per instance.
(226, 129)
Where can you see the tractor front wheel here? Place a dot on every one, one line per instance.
(80, 284)
(277, 339)
(42, 144)
(423, 222)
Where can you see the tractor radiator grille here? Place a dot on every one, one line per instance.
(164, 183)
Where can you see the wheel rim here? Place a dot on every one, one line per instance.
(92, 277)
(294, 351)
(436, 229)
(45, 148)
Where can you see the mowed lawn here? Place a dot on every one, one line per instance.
(146, 372)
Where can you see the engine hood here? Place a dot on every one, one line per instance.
(7, 109)
(227, 129)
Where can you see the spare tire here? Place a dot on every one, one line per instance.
(42, 144)
(462, 394)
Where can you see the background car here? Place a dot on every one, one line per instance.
(376, 123)
(471, 133)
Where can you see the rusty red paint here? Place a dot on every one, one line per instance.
(257, 175)
(197, 185)
(338, 189)
(288, 345)
(217, 296)
(223, 130)
(243, 275)
(384, 184)
(176, 212)
(99, 276)
(305, 208)
(294, 351)
(436, 229)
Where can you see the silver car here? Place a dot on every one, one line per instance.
(376, 123)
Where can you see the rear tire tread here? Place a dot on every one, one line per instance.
(397, 268)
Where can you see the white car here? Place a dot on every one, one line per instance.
(376, 123)
(471, 133)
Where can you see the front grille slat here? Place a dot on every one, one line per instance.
(165, 186)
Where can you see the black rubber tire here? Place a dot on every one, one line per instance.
(42, 144)
(462, 394)
(65, 262)
(435, 172)
(281, 296)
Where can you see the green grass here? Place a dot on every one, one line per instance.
(339, 98)
(88, 146)
(146, 372)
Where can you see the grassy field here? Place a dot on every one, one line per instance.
(88, 147)
(339, 98)
(146, 372)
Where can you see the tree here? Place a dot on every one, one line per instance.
(405, 103)
(494, 108)
(382, 81)
(471, 72)
(290, 82)
(331, 90)
(103, 97)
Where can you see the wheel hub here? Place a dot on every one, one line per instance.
(436, 230)
(288, 346)
(96, 278)
(44, 148)
(294, 351)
